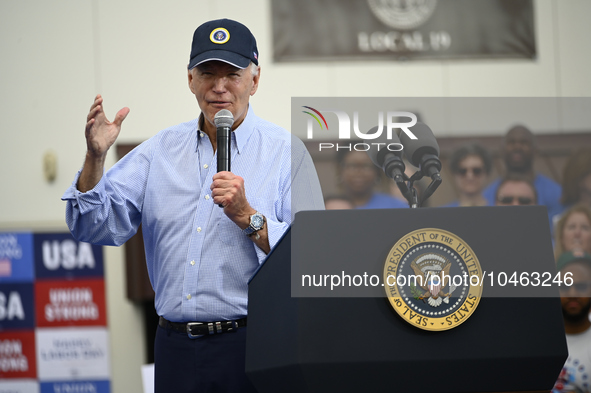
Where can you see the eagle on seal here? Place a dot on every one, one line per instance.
(431, 266)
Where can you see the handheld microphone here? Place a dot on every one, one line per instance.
(422, 152)
(223, 121)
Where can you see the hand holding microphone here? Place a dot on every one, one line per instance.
(223, 121)
(227, 189)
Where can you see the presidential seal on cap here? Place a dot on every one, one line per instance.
(219, 36)
(223, 40)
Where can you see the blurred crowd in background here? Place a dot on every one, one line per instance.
(568, 203)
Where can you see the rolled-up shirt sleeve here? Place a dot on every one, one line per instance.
(110, 213)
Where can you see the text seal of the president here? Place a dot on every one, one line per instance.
(433, 279)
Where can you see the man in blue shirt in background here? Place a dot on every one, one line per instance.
(518, 154)
(199, 257)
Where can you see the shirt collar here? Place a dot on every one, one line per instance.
(244, 130)
(241, 134)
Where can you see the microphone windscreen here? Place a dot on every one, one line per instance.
(223, 118)
(415, 149)
(379, 146)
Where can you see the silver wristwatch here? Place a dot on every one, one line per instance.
(257, 221)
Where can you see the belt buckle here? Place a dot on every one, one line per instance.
(194, 336)
(212, 328)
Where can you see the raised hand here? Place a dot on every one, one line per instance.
(101, 133)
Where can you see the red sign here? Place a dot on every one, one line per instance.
(17, 354)
(70, 303)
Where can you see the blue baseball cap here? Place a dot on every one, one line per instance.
(224, 40)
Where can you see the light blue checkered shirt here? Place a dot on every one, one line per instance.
(198, 260)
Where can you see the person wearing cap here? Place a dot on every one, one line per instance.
(576, 304)
(199, 256)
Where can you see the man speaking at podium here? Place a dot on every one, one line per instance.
(199, 256)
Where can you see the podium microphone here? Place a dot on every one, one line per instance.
(390, 160)
(422, 152)
(223, 121)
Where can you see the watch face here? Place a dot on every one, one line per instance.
(257, 221)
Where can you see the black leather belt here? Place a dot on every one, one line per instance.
(199, 329)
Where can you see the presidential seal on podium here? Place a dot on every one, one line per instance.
(433, 279)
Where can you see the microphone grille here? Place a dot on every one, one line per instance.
(425, 143)
(223, 118)
(377, 153)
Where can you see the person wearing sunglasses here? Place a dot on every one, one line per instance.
(471, 166)
(576, 304)
(516, 190)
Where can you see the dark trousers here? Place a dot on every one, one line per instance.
(213, 363)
